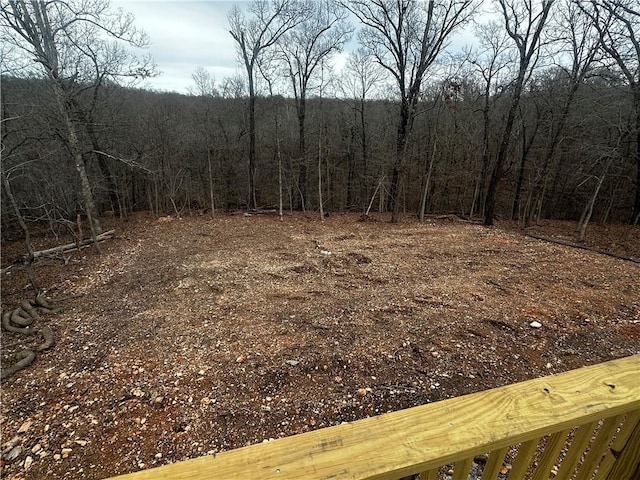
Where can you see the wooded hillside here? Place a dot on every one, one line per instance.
(530, 124)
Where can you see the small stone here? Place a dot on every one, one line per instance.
(136, 392)
(158, 399)
(158, 455)
(549, 365)
(36, 448)
(13, 453)
(65, 452)
(338, 379)
(56, 456)
(73, 409)
(241, 359)
(293, 363)
(362, 392)
(25, 426)
(82, 443)
(325, 252)
(201, 372)
(28, 462)
(535, 324)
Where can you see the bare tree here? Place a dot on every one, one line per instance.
(618, 26)
(323, 32)
(524, 23)
(405, 37)
(362, 76)
(577, 47)
(491, 62)
(204, 83)
(78, 45)
(269, 21)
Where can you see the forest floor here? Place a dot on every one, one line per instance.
(190, 337)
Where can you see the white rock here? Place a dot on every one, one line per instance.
(27, 462)
(535, 324)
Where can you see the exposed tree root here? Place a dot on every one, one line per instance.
(19, 321)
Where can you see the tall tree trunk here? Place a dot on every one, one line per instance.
(526, 148)
(635, 216)
(486, 159)
(428, 170)
(401, 151)
(252, 203)
(104, 168)
(302, 151)
(351, 166)
(211, 196)
(538, 186)
(76, 152)
(320, 178)
(588, 211)
(498, 169)
(27, 236)
(365, 156)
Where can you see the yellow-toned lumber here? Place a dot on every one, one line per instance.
(550, 454)
(430, 475)
(630, 422)
(576, 450)
(598, 447)
(522, 461)
(422, 438)
(462, 468)
(627, 466)
(494, 463)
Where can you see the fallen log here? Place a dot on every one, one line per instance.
(76, 245)
(583, 247)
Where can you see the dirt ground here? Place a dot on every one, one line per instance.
(194, 336)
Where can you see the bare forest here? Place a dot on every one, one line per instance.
(303, 244)
(538, 118)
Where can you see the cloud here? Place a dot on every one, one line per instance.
(184, 35)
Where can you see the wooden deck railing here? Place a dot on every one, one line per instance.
(583, 424)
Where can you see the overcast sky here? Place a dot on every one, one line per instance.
(185, 34)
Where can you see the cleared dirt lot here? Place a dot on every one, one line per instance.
(194, 336)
